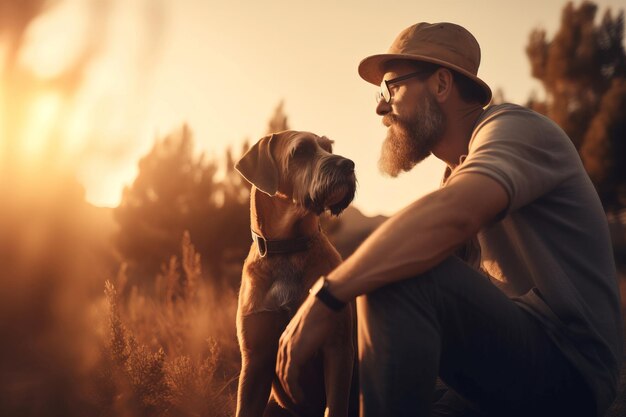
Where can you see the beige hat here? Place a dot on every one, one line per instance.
(446, 44)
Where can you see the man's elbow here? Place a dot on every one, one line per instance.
(464, 225)
(461, 220)
(474, 201)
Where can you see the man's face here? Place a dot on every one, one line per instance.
(415, 123)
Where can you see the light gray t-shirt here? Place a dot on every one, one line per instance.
(551, 250)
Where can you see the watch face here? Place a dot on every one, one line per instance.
(317, 286)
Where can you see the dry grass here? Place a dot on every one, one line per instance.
(174, 354)
(67, 352)
(126, 352)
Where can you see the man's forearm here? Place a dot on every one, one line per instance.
(409, 243)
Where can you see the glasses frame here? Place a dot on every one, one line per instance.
(385, 93)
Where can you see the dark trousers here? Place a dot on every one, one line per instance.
(452, 323)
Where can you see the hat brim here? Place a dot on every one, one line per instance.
(372, 70)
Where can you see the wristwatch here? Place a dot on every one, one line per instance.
(321, 291)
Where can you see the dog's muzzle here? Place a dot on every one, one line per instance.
(335, 186)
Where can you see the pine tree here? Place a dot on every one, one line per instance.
(604, 147)
(278, 121)
(582, 70)
(170, 189)
(176, 191)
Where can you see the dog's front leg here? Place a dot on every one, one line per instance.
(258, 335)
(339, 354)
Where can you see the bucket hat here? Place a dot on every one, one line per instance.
(447, 44)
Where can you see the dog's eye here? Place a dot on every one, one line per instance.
(328, 147)
(326, 144)
(303, 150)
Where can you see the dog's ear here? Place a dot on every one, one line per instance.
(258, 167)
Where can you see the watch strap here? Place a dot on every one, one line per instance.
(326, 297)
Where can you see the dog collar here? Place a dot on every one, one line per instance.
(271, 247)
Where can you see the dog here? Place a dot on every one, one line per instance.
(295, 178)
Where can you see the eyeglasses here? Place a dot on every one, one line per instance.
(385, 94)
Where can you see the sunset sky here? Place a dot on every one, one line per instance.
(222, 67)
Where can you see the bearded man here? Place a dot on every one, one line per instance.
(533, 328)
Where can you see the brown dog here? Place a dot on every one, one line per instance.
(295, 177)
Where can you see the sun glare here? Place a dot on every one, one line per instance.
(36, 137)
(55, 39)
(3, 141)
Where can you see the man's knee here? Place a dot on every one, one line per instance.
(415, 302)
(403, 293)
(393, 312)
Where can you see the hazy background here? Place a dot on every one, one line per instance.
(223, 67)
(123, 223)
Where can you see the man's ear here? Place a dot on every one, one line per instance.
(257, 166)
(443, 80)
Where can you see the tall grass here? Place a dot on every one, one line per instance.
(173, 354)
(68, 351)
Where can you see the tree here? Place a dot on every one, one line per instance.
(278, 121)
(175, 192)
(582, 70)
(604, 147)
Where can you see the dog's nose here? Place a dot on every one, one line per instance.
(345, 164)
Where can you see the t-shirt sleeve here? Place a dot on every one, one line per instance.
(522, 151)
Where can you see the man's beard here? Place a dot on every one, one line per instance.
(410, 141)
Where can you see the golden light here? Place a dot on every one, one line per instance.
(54, 39)
(3, 141)
(76, 130)
(36, 142)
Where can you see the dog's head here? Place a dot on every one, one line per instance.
(302, 167)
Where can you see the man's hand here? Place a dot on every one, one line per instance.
(304, 335)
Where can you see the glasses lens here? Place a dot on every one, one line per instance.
(383, 93)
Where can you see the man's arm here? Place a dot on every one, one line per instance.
(421, 235)
(411, 242)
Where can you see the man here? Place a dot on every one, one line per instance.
(536, 330)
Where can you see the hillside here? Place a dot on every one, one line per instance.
(352, 229)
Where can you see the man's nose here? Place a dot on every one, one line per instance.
(382, 108)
